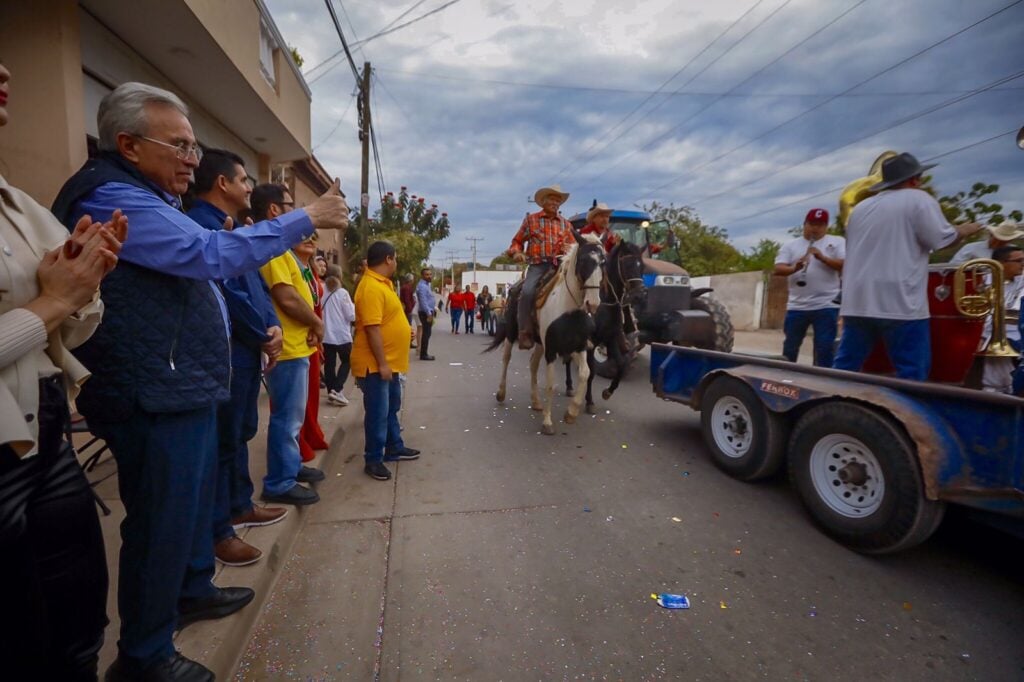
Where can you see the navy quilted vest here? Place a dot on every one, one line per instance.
(161, 345)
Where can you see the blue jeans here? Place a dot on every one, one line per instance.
(824, 322)
(381, 402)
(470, 317)
(908, 343)
(166, 466)
(288, 383)
(237, 423)
(456, 316)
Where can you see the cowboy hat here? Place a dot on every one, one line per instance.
(543, 192)
(1006, 232)
(599, 208)
(900, 168)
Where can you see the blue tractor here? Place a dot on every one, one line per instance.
(673, 312)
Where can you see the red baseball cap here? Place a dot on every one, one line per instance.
(816, 215)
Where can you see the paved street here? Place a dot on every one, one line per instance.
(503, 554)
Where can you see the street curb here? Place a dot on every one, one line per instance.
(221, 644)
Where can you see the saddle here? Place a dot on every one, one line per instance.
(545, 286)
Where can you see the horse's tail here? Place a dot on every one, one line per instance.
(500, 336)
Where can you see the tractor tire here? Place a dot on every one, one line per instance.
(723, 324)
(857, 474)
(746, 439)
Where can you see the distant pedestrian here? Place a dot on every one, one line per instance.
(380, 354)
(455, 308)
(407, 295)
(469, 308)
(425, 308)
(483, 304)
(339, 316)
(813, 263)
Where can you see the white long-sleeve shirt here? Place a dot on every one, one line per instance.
(339, 313)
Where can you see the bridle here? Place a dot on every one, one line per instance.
(584, 287)
(620, 299)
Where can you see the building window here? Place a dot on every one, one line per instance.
(267, 48)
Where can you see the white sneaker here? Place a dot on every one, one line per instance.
(337, 397)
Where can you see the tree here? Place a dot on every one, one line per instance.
(501, 260)
(968, 207)
(700, 248)
(760, 257)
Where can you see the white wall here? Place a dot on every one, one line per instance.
(492, 278)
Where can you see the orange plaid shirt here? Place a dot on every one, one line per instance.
(542, 239)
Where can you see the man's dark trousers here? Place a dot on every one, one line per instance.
(824, 321)
(528, 296)
(237, 424)
(166, 466)
(427, 329)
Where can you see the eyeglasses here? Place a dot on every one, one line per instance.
(182, 150)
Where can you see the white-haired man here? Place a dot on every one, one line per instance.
(160, 365)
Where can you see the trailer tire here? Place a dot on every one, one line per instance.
(724, 332)
(857, 475)
(746, 440)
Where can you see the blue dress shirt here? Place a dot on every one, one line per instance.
(425, 297)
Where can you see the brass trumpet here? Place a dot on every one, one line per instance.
(987, 299)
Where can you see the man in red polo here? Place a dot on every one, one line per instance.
(541, 239)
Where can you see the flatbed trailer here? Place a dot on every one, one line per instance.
(874, 459)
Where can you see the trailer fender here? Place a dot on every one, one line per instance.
(939, 450)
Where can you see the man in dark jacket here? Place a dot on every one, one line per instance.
(222, 189)
(160, 365)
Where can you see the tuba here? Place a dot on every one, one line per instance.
(860, 189)
(987, 299)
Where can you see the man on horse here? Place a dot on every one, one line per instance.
(541, 239)
(598, 219)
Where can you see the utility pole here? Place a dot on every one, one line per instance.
(364, 136)
(474, 240)
(451, 256)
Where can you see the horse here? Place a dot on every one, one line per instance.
(576, 286)
(623, 288)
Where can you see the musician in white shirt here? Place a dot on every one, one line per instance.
(997, 373)
(998, 236)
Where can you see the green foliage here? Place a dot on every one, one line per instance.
(501, 260)
(968, 207)
(760, 257)
(296, 57)
(700, 248)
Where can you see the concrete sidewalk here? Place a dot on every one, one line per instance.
(218, 644)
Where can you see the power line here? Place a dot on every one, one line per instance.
(801, 200)
(676, 93)
(379, 34)
(660, 88)
(344, 43)
(353, 27)
(834, 97)
(662, 136)
(336, 125)
(906, 119)
(696, 75)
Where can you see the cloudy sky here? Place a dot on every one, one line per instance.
(750, 111)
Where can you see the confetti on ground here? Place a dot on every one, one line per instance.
(722, 605)
(737, 551)
(455, 364)
(907, 606)
(715, 514)
(686, 473)
(586, 509)
(423, 428)
(677, 519)
(671, 601)
(624, 446)
(610, 518)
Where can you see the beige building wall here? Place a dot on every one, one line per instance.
(44, 141)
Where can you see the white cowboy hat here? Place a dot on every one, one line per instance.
(1006, 232)
(543, 192)
(600, 208)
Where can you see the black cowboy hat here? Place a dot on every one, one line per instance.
(900, 168)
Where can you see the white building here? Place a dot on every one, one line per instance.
(497, 281)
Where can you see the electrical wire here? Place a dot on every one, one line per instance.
(834, 97)
(661, 87)
(692, 78)
(352, 26)
(344, 43)
(895, 124)
(337, 125)
(661, 136)
(833, 190)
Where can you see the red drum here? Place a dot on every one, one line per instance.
(955, 338)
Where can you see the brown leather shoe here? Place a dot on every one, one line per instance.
(259, 516)
(234, 551)
(525, 340)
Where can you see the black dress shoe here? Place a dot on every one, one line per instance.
(426, 357)
(378, 471)
(223, 602)
(177, 668)
(309, 475)
(403, 455)
(298, 495)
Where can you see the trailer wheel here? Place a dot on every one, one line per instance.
(723, 323)
(746, 440)
(856, 472)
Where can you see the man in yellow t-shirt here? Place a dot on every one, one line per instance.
(287, 383)
(380, 354)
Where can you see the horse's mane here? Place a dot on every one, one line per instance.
(569, 262)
